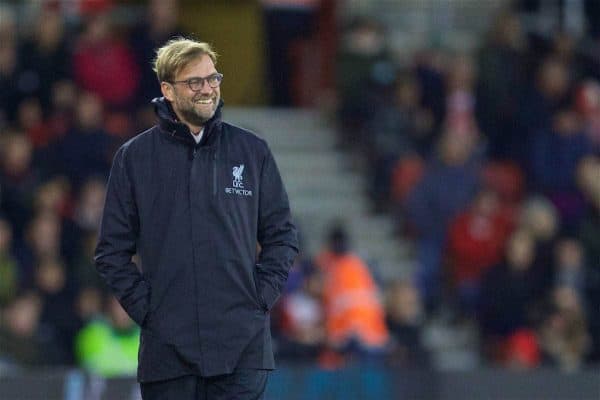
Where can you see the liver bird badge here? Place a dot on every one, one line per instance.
(237, 173)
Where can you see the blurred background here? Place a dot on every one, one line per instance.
(442, 159)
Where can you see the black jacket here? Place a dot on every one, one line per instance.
(194, 214)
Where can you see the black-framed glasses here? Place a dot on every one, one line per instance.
(197, 83)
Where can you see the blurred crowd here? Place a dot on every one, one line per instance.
(489, 161)
(75, 83)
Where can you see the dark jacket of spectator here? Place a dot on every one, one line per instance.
(46, 58)
(510, 288)
(159, 26)
(554, 159)
(555, 155)
(443, 192)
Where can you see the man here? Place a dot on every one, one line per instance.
(193, 196)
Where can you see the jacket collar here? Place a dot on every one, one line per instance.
(171, 126)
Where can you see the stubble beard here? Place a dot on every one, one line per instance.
(193, 116)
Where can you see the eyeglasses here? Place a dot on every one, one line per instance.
(197, 84)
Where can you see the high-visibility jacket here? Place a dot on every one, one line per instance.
(353, 309)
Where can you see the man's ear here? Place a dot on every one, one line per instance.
(167, 90)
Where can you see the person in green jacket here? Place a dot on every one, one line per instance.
(108, 345)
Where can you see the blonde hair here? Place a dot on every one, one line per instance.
(176, 54)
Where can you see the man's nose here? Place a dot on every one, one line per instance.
(205, 88)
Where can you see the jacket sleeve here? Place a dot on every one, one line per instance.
(117, 243)
(277, 234)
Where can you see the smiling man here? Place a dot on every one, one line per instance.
(192, 86)
(193, 196)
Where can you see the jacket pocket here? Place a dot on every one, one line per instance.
(258, 287)
(146, 322)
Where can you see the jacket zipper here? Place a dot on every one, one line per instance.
(215, 174)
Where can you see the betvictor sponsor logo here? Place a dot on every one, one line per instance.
(238, 182)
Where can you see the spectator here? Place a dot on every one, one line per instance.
(87, 148)
(88, 212)
(88, 304)
(569, 266)
(63, 105)
(592, 14)
(507, 180)
(354, 316)
(30, 120)
(21, 342)
(363, 62)
(541, 220)
(9, 269)
(301, 270)
(589, 230)
(564, 47)
(500, 65)
(104, 64)
(54, 198)
(43, 237)
(18, 180)
(407, 173)
(450, 183)
(286, 23)
(476, 242)
(404, 318)
(563, 334)
(81, 268)
(397, 130)
(521, 350)
(108, 346)
(11, 93)
(589, 235)
(429, 69)
(302, 321)
(537, 106)
(509, 291)
(56, 318)
(460, 93)
(161, 23)
(588, 106)
(45, 55)
(554, 158)
(48, 132)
